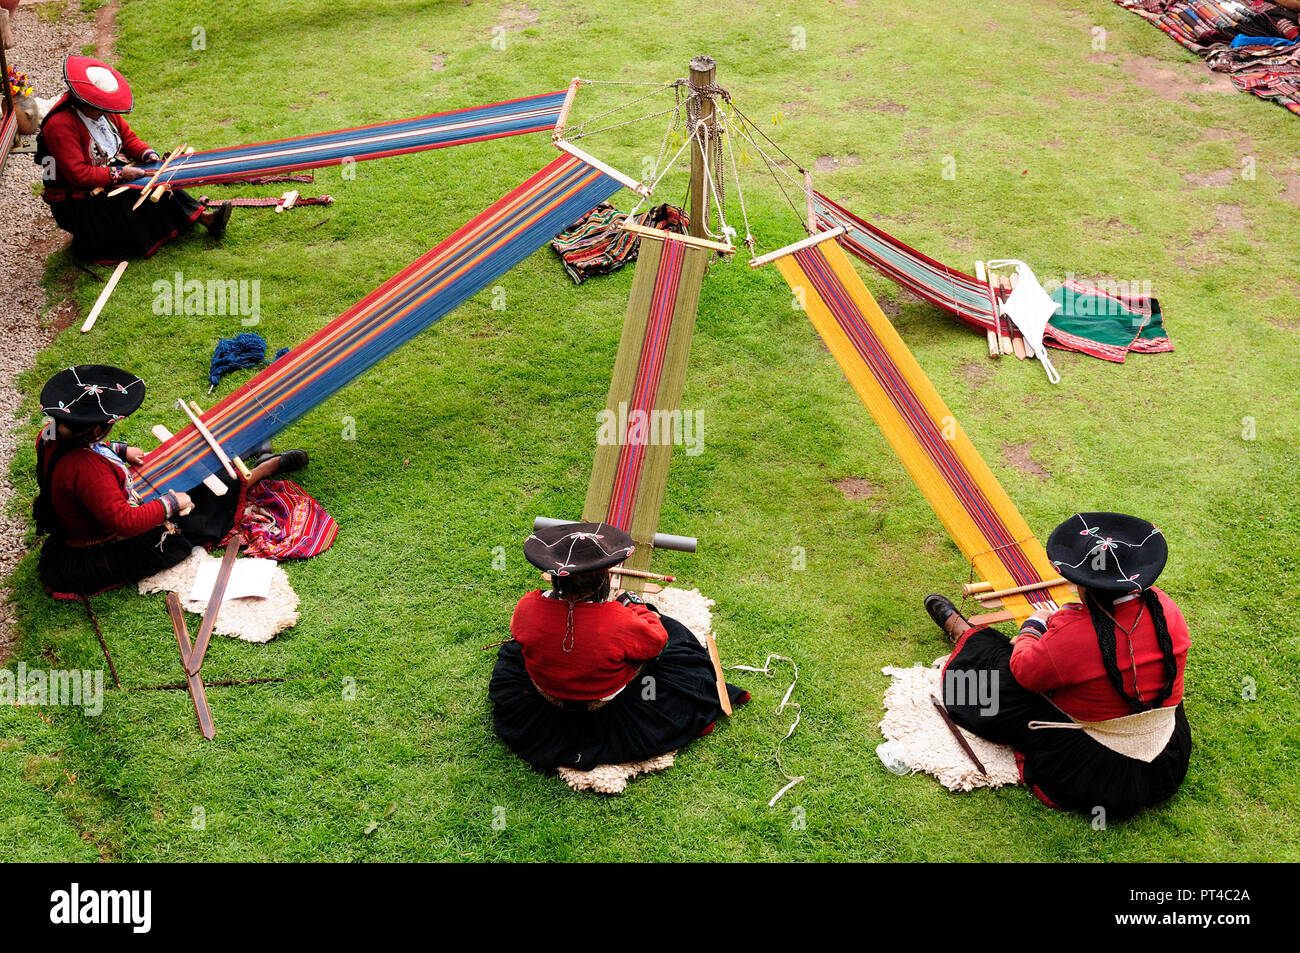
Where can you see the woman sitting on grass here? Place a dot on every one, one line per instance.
(1090, 695)
(588, 681)
(88, 151)
(100, 533)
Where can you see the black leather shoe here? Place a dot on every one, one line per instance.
(218, 227)
(292, 461)
(941, 609)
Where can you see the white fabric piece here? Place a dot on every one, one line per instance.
(252, 620)
(249, 579)
(103, 133)
(1029, 308)
(910, 718)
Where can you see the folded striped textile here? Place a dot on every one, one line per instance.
(642, 414)
(282, 521)
(475, 124)
(965, 495)
(1221, 32)
(1092, 323)
(1106, 325)
(478, 253)
(595, 245)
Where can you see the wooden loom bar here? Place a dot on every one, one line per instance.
(211, 441)
(211, 481)
(628, 225)
(810, 206)
(560, 120)
(626, 181)
(808, 242)
(195, 662)
(144, 192)
(193, 681)
(984, 591)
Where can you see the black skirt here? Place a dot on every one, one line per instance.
(1067, 768)
(86, 570)
(662, 709)
(105, 230)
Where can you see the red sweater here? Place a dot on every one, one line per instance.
(90, 500)
(67, 140)
(1065, 663)
(610, 642)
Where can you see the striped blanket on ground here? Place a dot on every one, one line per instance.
(1221, 32)
(283, 521)
(595, 245)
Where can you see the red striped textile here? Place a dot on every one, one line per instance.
(627, 476)
(281, 520)
(8, 130)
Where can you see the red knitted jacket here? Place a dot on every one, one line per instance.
(1066, 662)
(610, 643)
(90, 500)
(67, 140)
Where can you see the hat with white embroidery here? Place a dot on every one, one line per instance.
(97, 84)
(1108, 551)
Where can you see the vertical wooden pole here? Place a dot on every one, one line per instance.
(704, 73)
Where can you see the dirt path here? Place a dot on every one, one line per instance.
(28, 319)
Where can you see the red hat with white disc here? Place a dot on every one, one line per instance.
(97, 84)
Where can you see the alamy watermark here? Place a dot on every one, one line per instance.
(72, 688)
(640, 428)
(216, 297)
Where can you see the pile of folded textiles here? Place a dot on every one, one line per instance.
(1257, 43)
(595, 245)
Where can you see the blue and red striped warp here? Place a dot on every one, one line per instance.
(645, 388)
(478, 253)
(512, 118)
(966, 496)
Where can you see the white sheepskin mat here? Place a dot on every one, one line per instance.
(253, 620)
(911, 720)
(691, 609)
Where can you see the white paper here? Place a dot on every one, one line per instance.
(249, 579)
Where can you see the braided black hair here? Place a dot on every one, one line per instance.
(1104, 626)
(43, 506)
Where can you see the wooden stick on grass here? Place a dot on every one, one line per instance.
(103, 297)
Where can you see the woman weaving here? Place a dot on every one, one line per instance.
(88, 151)
(586, 680)
(1090, 696)
(100, 534)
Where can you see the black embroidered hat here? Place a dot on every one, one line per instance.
(91, 394)
(576, 548)
(1108, 551)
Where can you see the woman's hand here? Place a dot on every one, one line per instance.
(135, 456)
(183, 504)
(132, 172)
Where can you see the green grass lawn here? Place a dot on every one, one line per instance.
(1065, 156)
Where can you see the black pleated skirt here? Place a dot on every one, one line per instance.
(662, 709)
(86, 570)
(1065, 766)
(105, 230)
